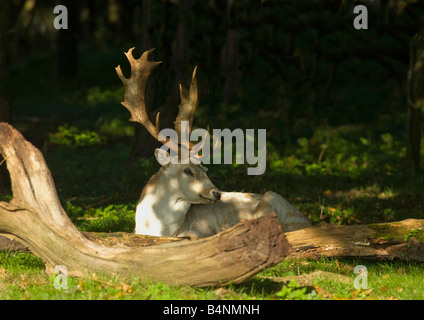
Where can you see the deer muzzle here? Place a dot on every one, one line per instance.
(211, 195)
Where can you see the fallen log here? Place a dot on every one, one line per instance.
(401, 239)
(385, 241)
(36, 219)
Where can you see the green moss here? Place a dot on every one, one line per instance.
(416, 233)
(102, 235)
(396, 232)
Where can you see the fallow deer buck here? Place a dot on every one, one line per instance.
(180, 200)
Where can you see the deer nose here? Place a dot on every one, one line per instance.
(217, 195)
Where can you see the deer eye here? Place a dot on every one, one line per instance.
(188, 172)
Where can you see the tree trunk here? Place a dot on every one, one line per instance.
(144, 144)
(5, 31)
(67, 45)
(36, 218)
(415, 93)
(5, 107)
(230, 59)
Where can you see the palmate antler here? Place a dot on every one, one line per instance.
(134, 97)
(135, 87)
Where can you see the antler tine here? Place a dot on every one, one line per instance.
(135, 87)
(187, 108)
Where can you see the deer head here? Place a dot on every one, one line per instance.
(189, 181)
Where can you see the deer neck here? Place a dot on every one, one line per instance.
(161, 210)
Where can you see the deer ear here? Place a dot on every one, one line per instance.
(163, 157)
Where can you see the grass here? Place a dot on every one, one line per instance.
(22, 277)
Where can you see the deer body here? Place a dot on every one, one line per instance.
(172, 217)
(180, 200)
(209, 219)
(160, 211)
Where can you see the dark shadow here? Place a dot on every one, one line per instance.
(5, 184)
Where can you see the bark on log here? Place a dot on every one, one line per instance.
(36, 218)
(401, 239)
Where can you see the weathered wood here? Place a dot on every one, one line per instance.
(401, 239)
(36, 218)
